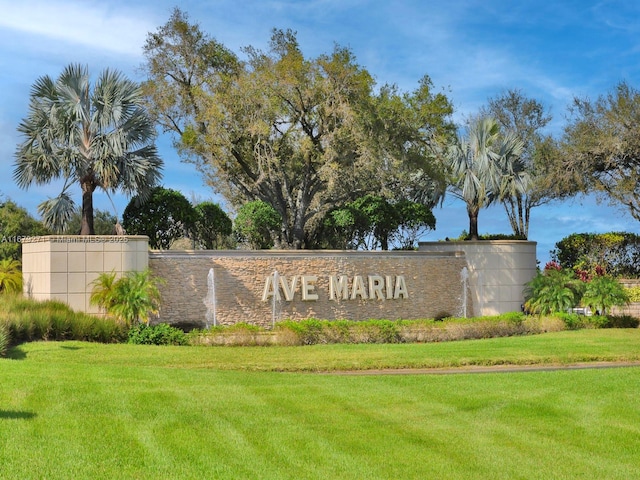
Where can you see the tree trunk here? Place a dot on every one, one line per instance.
(87, 209)
(473, 222)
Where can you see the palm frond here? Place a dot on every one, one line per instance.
(74, 133)
(56, 212)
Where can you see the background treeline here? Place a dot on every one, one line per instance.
(616, 253)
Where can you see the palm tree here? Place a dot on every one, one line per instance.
(479, 165)
(99, 139)
(130, 299)
(10, 276)
(604, 292)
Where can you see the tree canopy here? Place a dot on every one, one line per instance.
(601, 148)
(482, 165)
(257, 225)
(15, 223)
(97, 136)
(529, 187)
(303, 135)
(212, 226)
(104, 223)
(165, 216)
(372, 222)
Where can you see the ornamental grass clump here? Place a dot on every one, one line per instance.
(27, 320)
(4, 340)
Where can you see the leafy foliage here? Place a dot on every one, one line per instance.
(104, 223)
(372, 222)
(304, 135)
(212, 226)
(257, 224)
(99, 138)
(604, 292)
(16, 223)
(10, 276)
(165, 216)
(553, 290)
(159, 334)
(617, 253)
(558, 290)
(601, 151)
(482, 166)
(131, 299)
(525, 117)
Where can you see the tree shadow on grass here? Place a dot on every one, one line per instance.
(16, 415)
(16, 353)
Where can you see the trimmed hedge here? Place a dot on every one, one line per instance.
(314, 331)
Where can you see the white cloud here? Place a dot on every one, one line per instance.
(88, 24)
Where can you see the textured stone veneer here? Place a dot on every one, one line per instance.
(433, 284)
(499, 270)
(62, 267)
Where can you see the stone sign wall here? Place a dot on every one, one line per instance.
(260, 287)
(308, 284)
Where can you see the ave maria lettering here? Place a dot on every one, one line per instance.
(375, 287)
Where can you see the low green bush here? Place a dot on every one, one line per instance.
(314, 331)
(620, 321)
(159, 334)
(572, 321)
(308, 332)
(634, 294)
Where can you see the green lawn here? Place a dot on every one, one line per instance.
(83, 410)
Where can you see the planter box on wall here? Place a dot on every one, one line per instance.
(62, 267)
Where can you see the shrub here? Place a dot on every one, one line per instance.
(130, 299)
(307, 332)
(10, 276)
(604, 292)
(314, 331)
(159, 334)
(622, 321)
(572, 321)
(553, 290)
(617, 252)
(633, 294)
(378, 331)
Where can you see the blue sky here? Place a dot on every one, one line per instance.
(471, 49)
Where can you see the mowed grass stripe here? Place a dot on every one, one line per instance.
(79, 410)
(559, 348)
